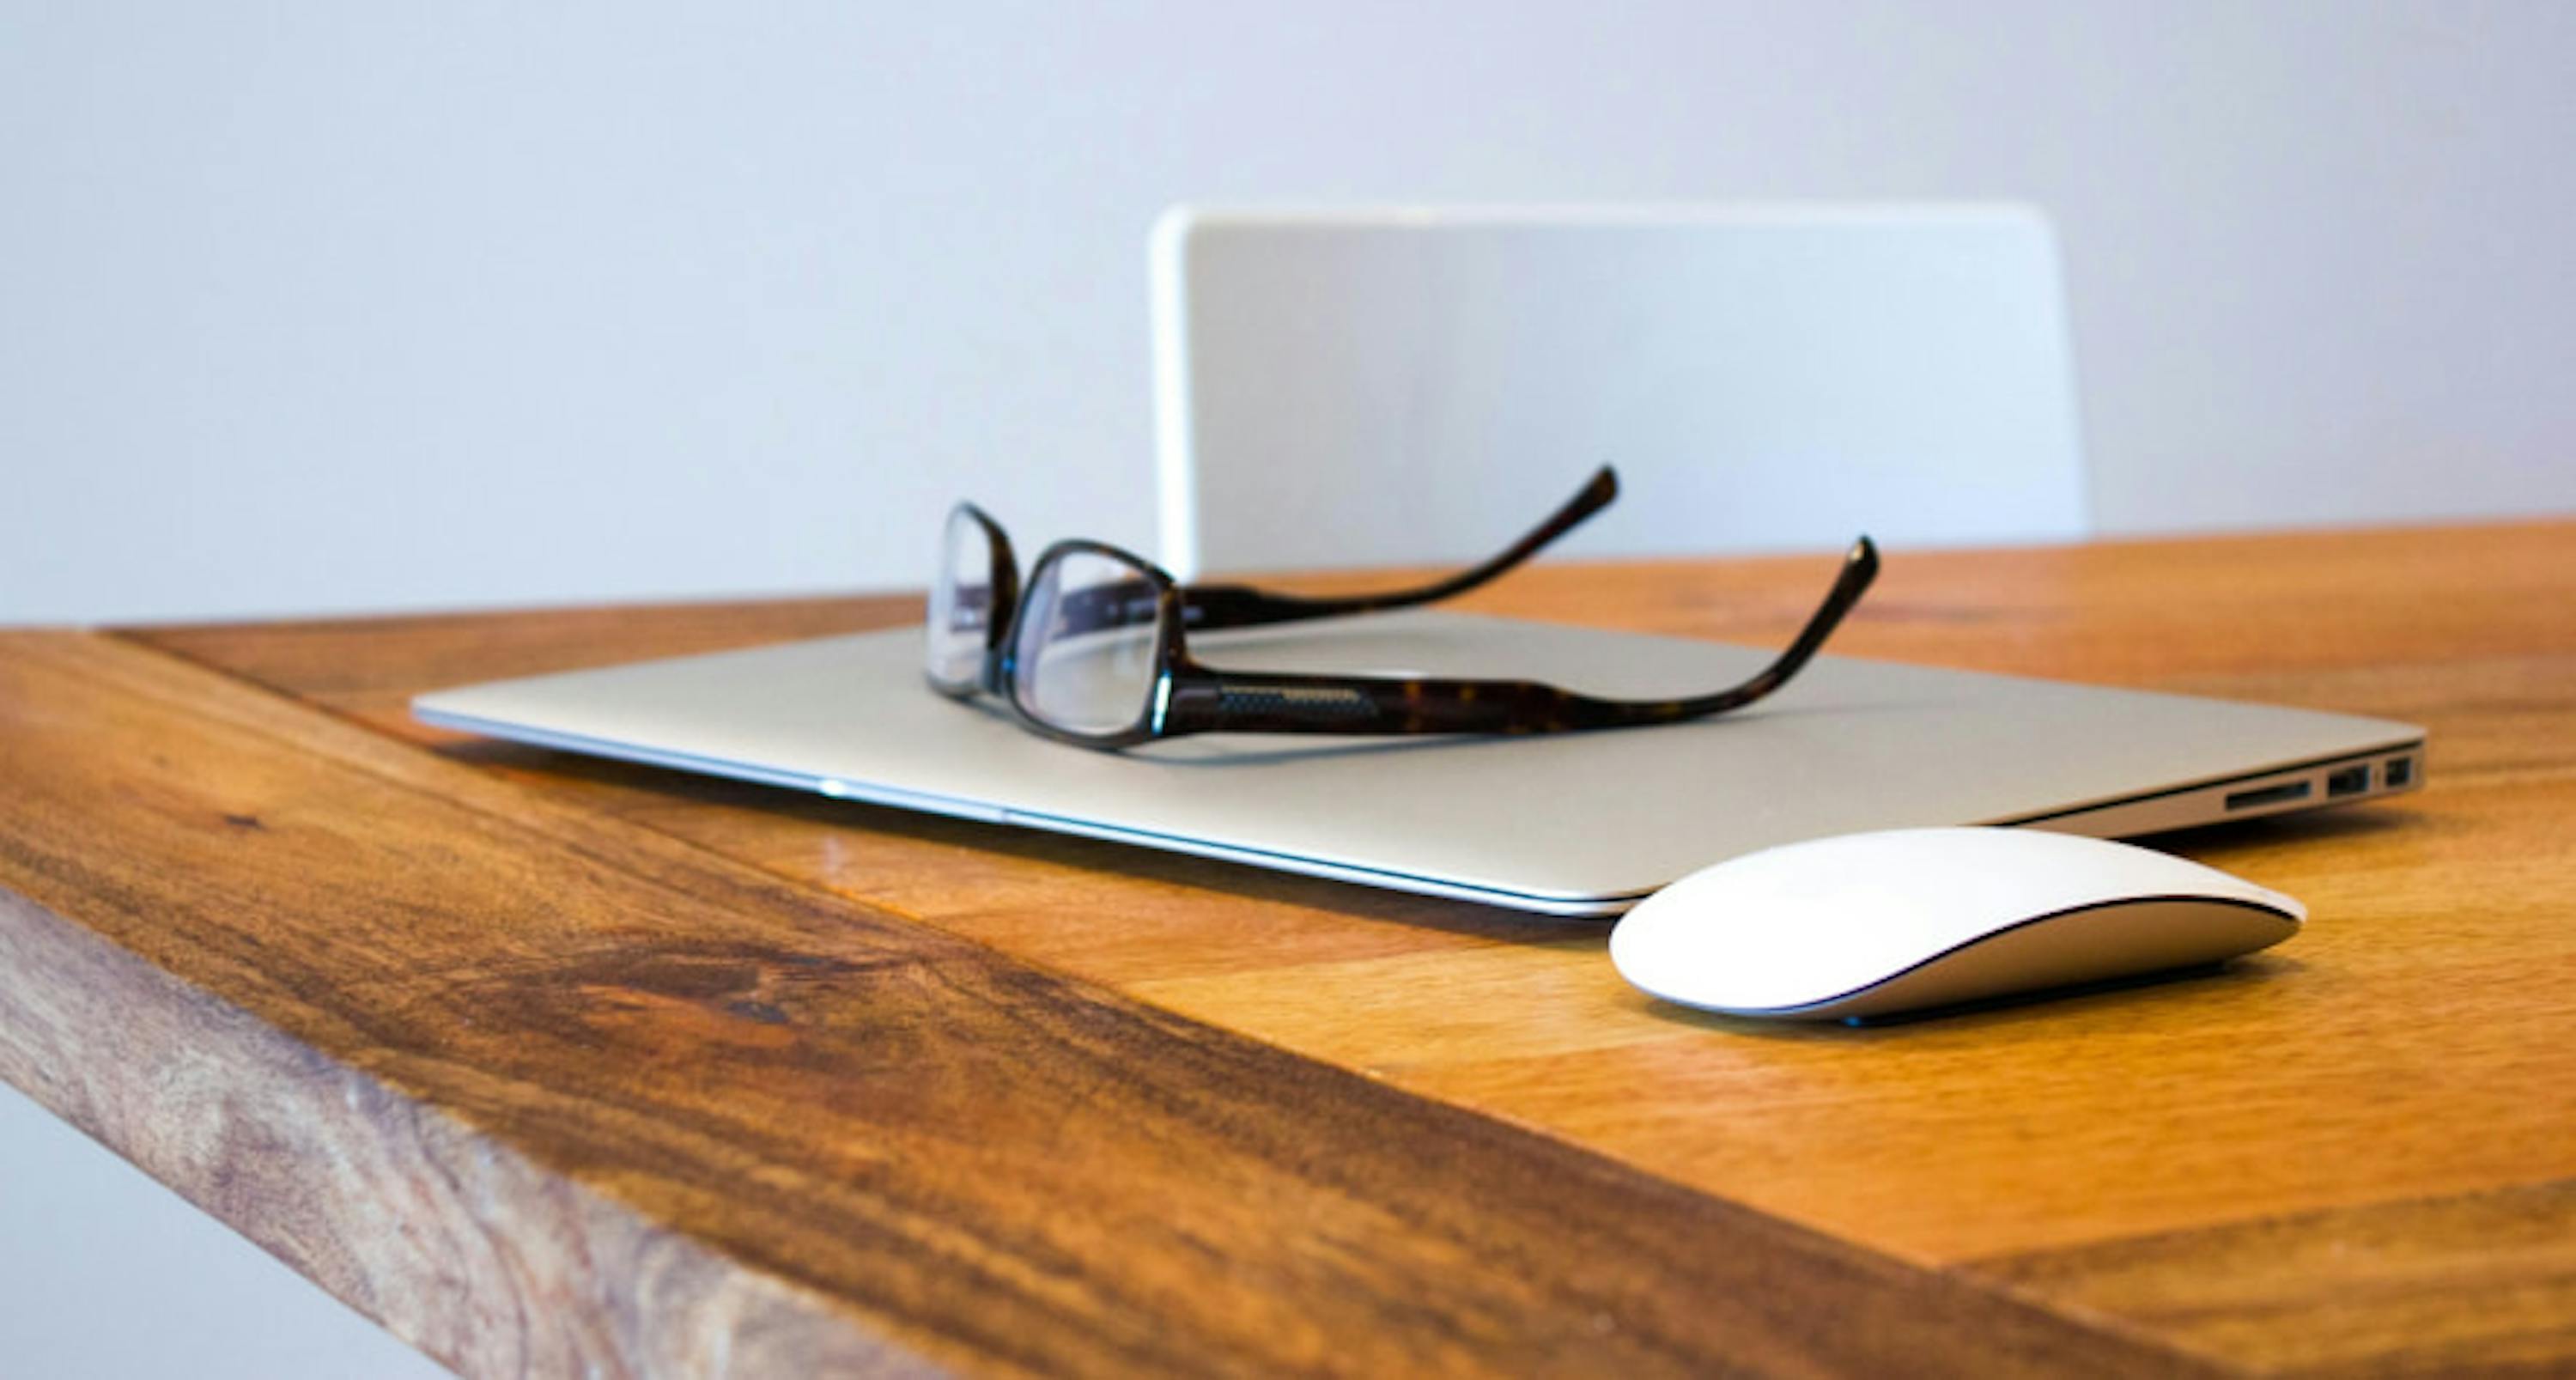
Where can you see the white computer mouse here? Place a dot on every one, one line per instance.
(1872, 924)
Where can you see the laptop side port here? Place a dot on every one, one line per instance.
(2347, 781)
(2260, 796)
(2399, 773)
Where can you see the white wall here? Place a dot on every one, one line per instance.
(360, 306)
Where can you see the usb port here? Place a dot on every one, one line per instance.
(2399, 773)
(2260, 796)
(2348, 781)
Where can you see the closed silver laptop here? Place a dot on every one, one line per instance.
(1564, 824)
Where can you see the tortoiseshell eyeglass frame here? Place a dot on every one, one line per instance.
(1189, 696)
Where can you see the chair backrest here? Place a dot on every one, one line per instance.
(1372, 387)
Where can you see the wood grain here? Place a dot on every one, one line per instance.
(2408, 1054)
(553, 1094)
(371, 667)
(2484, 1282)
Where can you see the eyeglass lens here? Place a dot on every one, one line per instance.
(961, 602)
(1085, 655)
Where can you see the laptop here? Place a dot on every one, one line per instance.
(1579, 824)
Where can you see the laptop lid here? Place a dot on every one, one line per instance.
(1566, 824)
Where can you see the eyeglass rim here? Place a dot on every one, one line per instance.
(1168, 648)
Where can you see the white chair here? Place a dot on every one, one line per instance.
(1379, 387)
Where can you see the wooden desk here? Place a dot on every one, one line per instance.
(553, 1064)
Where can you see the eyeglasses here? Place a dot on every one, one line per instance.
(1096, 652)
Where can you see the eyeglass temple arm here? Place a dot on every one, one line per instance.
(1218, 700)
(1242, 606)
